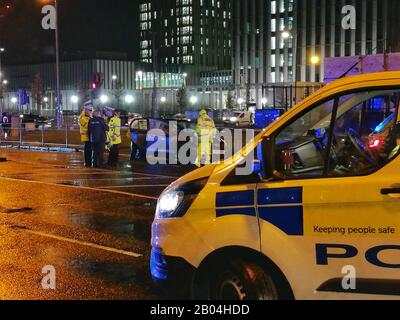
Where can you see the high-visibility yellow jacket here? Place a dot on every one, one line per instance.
(83, 126)
(205, 126)
(115, 131)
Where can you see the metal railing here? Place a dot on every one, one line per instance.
(40, 136)
(31, 135)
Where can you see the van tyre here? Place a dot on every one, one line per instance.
(241, 280)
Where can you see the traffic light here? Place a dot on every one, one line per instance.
(97, 80)
(96, 85)
(5, 9)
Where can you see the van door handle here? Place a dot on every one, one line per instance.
(389, 191)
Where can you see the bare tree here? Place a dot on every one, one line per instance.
(83, 92)
(37, 92)
(230, 100)
(118, 92)
(182, 100)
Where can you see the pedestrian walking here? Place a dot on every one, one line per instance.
(84, 119)
(6, 125)
(97, 132)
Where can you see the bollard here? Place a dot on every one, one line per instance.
(42, 128)
(20, 135)
(66, 133)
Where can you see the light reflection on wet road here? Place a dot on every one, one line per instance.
(83, 231)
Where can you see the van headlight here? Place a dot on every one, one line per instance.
(168, 203)
(174, 202)
(234, 119)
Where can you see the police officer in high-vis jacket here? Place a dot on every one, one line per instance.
(114, 135)
(84, 119)
(205, 131)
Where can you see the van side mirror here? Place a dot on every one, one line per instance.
(268, 171)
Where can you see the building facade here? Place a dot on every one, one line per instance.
(186, 33)
(286, 41)
(76, 77)
(320, 32)
(264, 45)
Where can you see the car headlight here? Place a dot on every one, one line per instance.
(234, 119)
(174, 203)
(224, 118)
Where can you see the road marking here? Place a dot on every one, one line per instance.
(122, 193)
(86, 244)
(128, 176)
(81, 173)
(84, 188)
(155, 175)
(134, 186)
(94, 179)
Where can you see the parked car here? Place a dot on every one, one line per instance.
(142, 140)
(39, 121)
(239, 119)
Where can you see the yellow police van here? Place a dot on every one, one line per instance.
(319, 218)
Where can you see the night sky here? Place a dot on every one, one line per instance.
(85, 25)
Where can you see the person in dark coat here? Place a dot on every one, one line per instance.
(97, 130)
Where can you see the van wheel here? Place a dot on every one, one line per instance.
(241, 280)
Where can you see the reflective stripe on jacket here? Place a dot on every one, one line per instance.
(115, 130)
(205, 126)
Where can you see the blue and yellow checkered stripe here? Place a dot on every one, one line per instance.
(282, 207)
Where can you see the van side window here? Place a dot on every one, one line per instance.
(364, 136)
(300, 148)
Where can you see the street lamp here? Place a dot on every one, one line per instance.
(240, 101)
(264, 101)
(185, 75)
(315, 60)
(75, 99)
(57, 47)
(193, 100)
(139, 75)
(285, 34)
(14, 100)
(114, 77)
(141, 85)
(129, 99)
(46, 99)
(2, 50)
(163, 99)
(104, 99)
(5, 82)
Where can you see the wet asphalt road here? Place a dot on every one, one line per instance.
(92, 226)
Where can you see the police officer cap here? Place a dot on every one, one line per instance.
(88, 105)
(109, 109)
